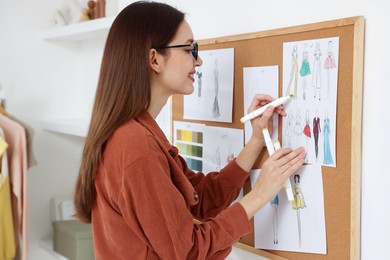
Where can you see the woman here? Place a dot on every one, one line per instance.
(133, 187)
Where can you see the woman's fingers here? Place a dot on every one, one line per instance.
(286, 158)
(259, 100)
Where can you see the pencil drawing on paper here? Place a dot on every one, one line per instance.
(212, 98)
(317, 77)
(329, 66)
(317, 101)
(305, 70)
(327, 152)
(298, 204)
(216, 112)
(274, 204)
(294, 73)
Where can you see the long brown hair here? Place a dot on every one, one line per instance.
(123, 90)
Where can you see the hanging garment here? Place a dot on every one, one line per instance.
(31, 161)
(7, 238)
(15, 136)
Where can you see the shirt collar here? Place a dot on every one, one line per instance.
(150, 123)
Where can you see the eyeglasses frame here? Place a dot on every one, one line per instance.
(194, 51)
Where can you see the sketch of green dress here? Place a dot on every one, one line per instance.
(305, 68)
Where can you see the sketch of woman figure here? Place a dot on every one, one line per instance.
(307, 133)
(316, 131)
(294, 72)
(298, 204)
(298, 127)
(327, 153)
(316, 80)
(274, 204)
(216, 89)
(230, 156)
(217, 159)
(199, 77)
(305, 70)
(329, 64)
(289, 128)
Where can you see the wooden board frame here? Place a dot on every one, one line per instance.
(342, 185)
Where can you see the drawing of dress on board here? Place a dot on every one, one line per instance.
(316, 131)
(316, 77)
(307, 133)
(274, 204)
(329, 64)
(216, 112)
(305, 70)
(298, 204)
(289, 129)
(293, 73)
(327, 153)
(199, 75)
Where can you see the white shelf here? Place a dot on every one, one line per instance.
(47, 245)
(76, 127)
(97, 28)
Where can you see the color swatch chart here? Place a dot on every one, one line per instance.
(190, 145)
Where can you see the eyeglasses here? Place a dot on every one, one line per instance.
(194, 50)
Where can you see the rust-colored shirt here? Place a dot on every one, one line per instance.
(147, 199)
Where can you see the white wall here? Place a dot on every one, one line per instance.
(45, 80)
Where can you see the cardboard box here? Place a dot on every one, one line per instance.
(73, 239)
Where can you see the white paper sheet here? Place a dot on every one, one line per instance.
(260, 80)
(277, 228)
(221, 145)
(212, 99)
(310, 72)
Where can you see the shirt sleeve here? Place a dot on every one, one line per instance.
(157, 212)
(216, 190)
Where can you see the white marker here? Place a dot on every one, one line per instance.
(271, 147)
(260, 111)
(268, 142)
(287, 184)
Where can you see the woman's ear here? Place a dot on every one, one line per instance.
(154, 61)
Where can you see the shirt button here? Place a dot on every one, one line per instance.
(196, 196)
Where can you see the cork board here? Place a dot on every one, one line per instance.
(341, 184)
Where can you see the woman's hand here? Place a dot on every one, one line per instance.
(265, 120)
(274, 173)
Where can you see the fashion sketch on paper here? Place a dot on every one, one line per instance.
(216, 112)
(327, 152)
(230, 156)
(274, 204)
(307, 133)
(289, 128)
(298, 127)
(199, 77)
(316, 76)
(217, 159)
(294, 73)
(329, 65)
(298, 204)
(316, 131)
(305, 70)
